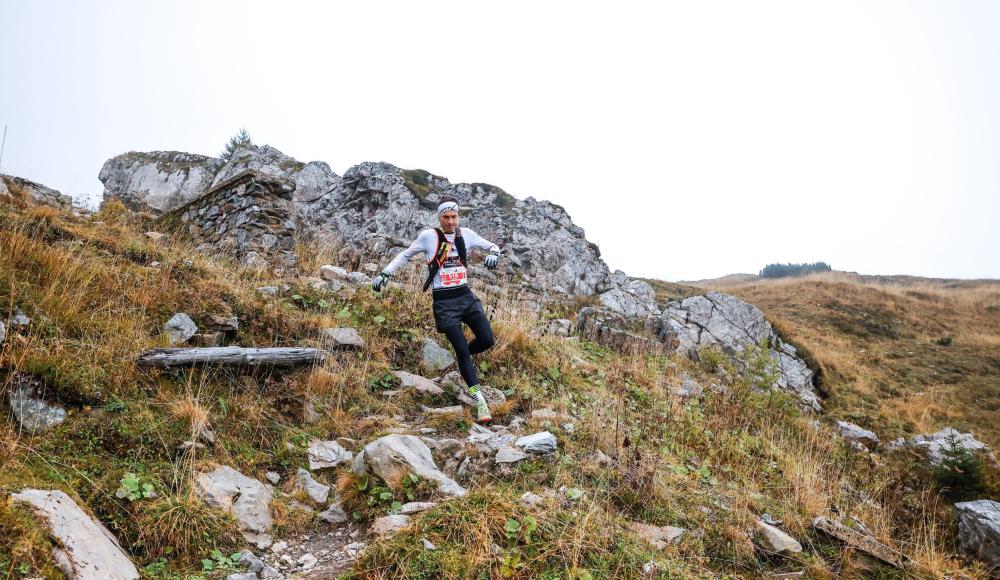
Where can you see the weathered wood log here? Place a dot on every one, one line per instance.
(230, 355)
(860, 541)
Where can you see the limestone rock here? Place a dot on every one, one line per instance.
(33, 413)
(559, 327)
(935, 444)
(414, 507)
(159, 180)
(509, 454)
(542, 442)
(435, 357)
(418, 383)
(36, 192)
(615, 330)
(979, 529)
(857, 435)
(726, 322)
(658, 536)
(393, 456)
(326, 454)
(317, 492)
(388, 524)
(180, 328)
(343, 338)
(332, 273)
(20, 319)
(247, 499)
(777, 540)
(334, 514)
(631, 297)
(91, 551)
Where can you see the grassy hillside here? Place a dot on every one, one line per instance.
(899, 354)
(98, 292)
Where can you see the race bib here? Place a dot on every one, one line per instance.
(452, 272)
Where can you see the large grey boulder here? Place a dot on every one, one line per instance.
(542, 442)
(393, 456)
(246, 498)
(87, 550)
(630, 297)
(857, 435)
(617, 330)
(979, 529)
(316, 491)
(343, 338)
(312, 180)
(435, 356)
(777, 540)
(157, 181)
(418, 383)
(34, 414)
(36, 192)
(732, 325)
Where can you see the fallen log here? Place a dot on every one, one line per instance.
(863, 542)
(230, 355)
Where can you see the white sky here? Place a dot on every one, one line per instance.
(689, 139)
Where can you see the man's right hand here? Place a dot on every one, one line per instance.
(380, 281)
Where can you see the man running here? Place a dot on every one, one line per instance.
(454, 302)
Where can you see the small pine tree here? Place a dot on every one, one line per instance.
(960, 472)
(241, 139)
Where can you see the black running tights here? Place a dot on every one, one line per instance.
(464, 349)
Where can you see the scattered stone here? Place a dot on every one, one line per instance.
(979, 529)
(279, 547)
(428, 545)
(658, 536)
(689, 388)
(416, 507)
(247, 499)
(857, 435)
(629, 296)
(20, 319)
(3, 332)
(778, 541)
(89, 551)
(218, 323)
(332, 273)
(307, 562)
(273, 477)
(334, 514)
(435, 357)
(268, 291)
(600, 458)
(393, 456)
(208, 339)
(343, 338)
(249, 561)
(156, 236)
(546, 414)
(509, 454)
(242, 576)
(559, 327)
(180, 328)
(542, 442)
(418, 383)
(326, 454)
(316, 491)
(33, 413)
(389, 524)
(359, 279)
(530, 499)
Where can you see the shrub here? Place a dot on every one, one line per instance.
(784, 270)
(960, 472)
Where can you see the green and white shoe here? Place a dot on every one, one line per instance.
(482, 408)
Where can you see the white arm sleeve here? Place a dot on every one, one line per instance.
(474, 241)
(426, 239)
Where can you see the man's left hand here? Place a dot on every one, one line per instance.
(491, 261)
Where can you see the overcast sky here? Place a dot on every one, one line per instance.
(689, 139)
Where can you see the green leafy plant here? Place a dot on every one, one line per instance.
(132, 489)
(219, 561)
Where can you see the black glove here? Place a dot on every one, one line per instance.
(380, 281)
(491, 260)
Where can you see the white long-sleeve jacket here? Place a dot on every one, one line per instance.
(452, 274)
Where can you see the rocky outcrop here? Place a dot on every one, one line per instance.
(87, 550)
(376, 208)
(979, 529)
(933, 446)
(616, 330)
(38, 193)
(726, 322)
(858, 436)
(157, 180)
(630, 297)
